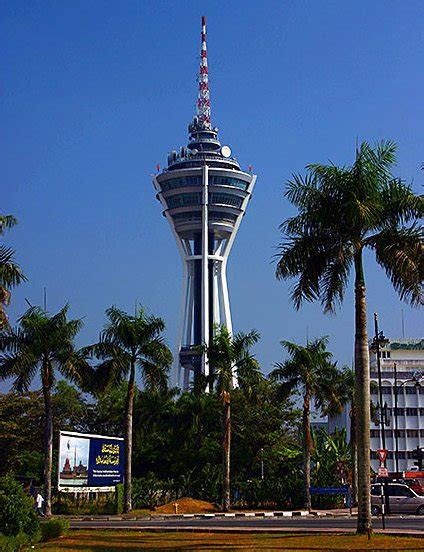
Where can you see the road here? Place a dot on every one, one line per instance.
(404, 525)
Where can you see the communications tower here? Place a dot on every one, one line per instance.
(204, 195)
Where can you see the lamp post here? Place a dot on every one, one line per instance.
(378, 341)
(396, 422)
(416, 379)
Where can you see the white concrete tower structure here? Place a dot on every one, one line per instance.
(204, 195)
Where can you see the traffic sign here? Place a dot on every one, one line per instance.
(383, 472)
(382, 455)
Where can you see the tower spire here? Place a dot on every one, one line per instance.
(203, 98)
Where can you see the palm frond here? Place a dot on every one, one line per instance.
(400, 252)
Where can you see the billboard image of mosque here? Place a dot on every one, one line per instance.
(73, 457)
(90, 462)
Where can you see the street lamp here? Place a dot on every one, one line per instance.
(416, 380)
(379, 340)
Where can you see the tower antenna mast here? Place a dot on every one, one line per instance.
(203, 98)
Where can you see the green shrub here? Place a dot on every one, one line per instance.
(10, 544)
(54, 528)
(119, 498)
(17, 510)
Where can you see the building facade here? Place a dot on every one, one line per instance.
(406, 358)
(204, 195)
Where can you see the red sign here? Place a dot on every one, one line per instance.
(383, 472)
(382, 455)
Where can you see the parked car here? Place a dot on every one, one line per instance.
(415, 485)
(402, 499)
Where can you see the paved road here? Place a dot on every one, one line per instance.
(399, 524)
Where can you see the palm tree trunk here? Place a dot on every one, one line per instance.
(354, 453)
(307, 448)
(226, 447)
(128, 438)
(48, 438)
(362, 400)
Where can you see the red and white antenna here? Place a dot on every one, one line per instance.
(203, 99)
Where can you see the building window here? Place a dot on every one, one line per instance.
(422, 411)
(374, 433)
(398, 411)
(410, 390)
(386, 390)
(401, 455)
(183, 200)
(400, 432)
(228, 181)
(181, 182)
(225, 199)
(421, 432)
(411, 411)
(412, 433)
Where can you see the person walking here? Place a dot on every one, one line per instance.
(39, 501)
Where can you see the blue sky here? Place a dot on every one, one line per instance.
(96, 93)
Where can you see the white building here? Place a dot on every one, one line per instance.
(408, 354)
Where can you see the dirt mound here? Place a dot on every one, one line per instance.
(187, 506)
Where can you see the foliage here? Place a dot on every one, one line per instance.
(328, 453)
(17, 512)
(69, 504)
(343, 210)
(126, 343)
(119, 498)
(311, 371)
(21, 426)
(149, 491)
(10, 273)
(54, 528)
(13, 543)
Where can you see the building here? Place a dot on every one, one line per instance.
(406, 357)
(204, 195)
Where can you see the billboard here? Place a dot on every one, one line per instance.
(89, 462)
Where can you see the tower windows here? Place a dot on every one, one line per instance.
(225, 199)
(182, 200)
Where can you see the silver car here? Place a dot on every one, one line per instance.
(402, 499)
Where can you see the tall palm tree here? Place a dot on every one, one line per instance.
(126, 343)
(341, 212)
(10, 273)
(230, 360)
(44, 344)
(311, 371)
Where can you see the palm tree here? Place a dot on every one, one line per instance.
(342, 212)
(45, 344)
(10, 273)
(128, 342)
(346, 387)
(309, 369)
(230, 361)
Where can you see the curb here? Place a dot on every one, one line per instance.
(263, 514)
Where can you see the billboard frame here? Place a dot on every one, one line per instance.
(83, 488)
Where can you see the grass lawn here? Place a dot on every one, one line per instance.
(133, 540)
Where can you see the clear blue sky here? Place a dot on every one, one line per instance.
(95, 93)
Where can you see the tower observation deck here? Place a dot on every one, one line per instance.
(204, 195)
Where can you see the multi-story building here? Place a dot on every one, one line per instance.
(408, 355)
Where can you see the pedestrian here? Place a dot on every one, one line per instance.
(39, 501)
